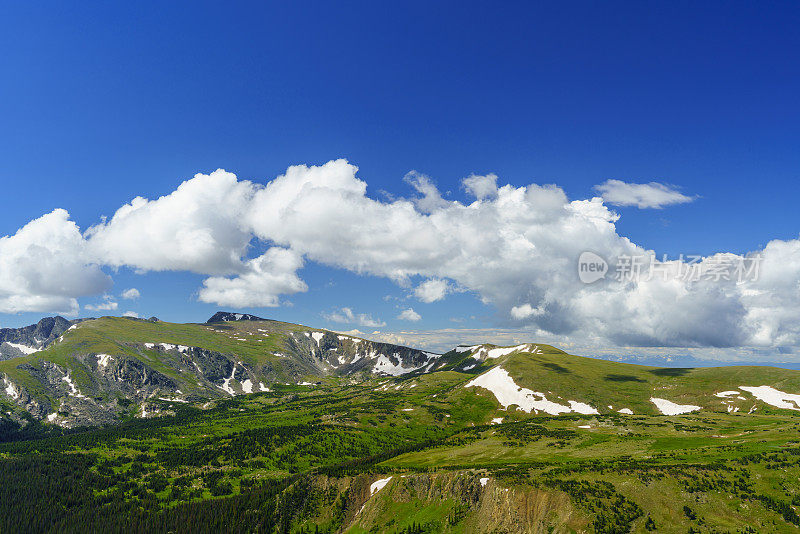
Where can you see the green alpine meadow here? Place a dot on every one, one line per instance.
(241, 424)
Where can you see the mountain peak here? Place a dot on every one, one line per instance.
(223, 317)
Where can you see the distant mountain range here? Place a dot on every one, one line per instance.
(691, 361)
(102, 371)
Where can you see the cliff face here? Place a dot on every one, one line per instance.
(445, 501)
(15, 342)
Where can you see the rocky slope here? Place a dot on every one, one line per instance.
(15, 342)
(100, 371)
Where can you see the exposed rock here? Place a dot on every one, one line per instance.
(222, 317)
(15, 342)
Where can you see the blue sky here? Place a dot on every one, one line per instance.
(101, 104)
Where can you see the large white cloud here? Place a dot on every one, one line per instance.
(266, 277)
(432, 290)
(516, 248)
(45, 267)
(199, 227)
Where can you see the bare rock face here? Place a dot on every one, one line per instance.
(482, 503)
(343, 355)
(224, 317)
(19, 395)
(15, 342)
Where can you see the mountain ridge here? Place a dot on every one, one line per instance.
(105, 370)
(28, 339)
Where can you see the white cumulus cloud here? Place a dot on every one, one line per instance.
(480, 187)
(45, 267)
(524, 311)
(107, 304)
(261, 283)
(650, 195)
(130, 294)
(346, 315)
(432, 290)
(409, 315)
(198, 227)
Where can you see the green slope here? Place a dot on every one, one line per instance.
(599, 383)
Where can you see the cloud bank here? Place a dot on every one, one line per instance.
(515, 248)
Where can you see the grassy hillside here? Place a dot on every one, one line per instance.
(611, 386)
(314, 454)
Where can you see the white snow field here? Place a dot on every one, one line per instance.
(507, 392)
(670, 408)
(774, 397)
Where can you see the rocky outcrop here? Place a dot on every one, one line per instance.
(224, 317)
(15, 342)
(19, 395)
(342, 355)
(469, 501)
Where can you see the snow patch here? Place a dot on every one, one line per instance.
(508, 393)
(725, 394)
(171, 400)
(73, 392)
(484, 481)
(11, 390)
(317, 336)
(385, 365)
(24, 349)
(262, 387)
(582, 408)
(226, 385)
(247, 386)
(503, 351)
(774, 397)
(670, 408)
(103, 359)
(497, 421)
(626, 411)
(378, 485)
